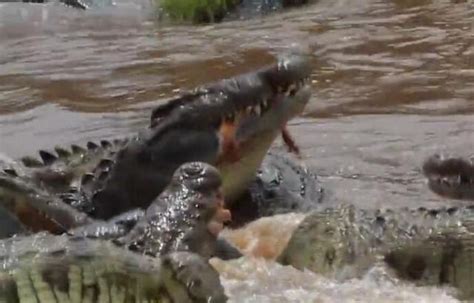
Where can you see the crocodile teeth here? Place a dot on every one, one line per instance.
(76, 149)
(264, 104)
(248, 110)
(292, 89)
(47, 157)
(257, 110)
(62, 153)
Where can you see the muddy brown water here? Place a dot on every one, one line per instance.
(392, 84)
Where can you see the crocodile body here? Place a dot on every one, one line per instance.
(451, 177)
(187, 216)
(27, 208)
(66, 168)
(427, 246)
(281, 185)
(162, 259)
(45, 268)
(229, 124)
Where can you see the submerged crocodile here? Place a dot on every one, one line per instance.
(427, 246)
(451, 177)
(229, 124)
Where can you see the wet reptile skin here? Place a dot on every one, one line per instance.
(126, 175)
(426, 246)
(178, 219)
(54, 269)
(451, 177)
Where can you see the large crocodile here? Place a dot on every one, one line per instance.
(230, 124)
(46, 268)
(427, 246)
(179, 230)
(451, 177)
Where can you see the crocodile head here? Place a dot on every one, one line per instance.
(229, 124)
(450, 176)
(243, 115)
(77, 269)
(186, 216)
(322, 243)
(188, 278)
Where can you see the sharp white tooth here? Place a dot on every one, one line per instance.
(248, 109)
(264, 103)
(292, 87)
(258, 110)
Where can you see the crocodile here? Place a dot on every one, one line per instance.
(26, 208)
(425, 246)
(229, 124)
(187, 216)
(451, 177)
(190, 211)
(66, 167)
(163, 258)
(45, 268)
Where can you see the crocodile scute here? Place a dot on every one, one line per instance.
(47, 268)
(187, 215)
(425, 246)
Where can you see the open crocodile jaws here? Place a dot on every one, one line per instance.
(451, 177)
(229, 124)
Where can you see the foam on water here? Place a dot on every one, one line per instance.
(251, 279)
(256, 277)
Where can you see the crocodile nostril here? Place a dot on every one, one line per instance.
(193, 169)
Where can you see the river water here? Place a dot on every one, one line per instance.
(392, 84)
